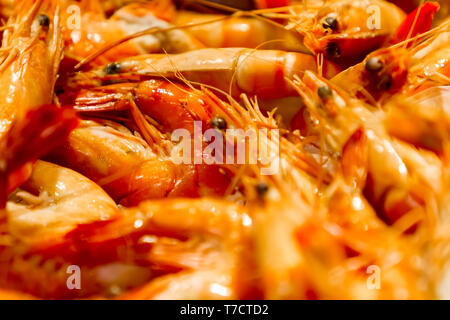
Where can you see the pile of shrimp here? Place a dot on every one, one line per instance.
(350, 103)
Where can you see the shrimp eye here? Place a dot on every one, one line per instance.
(261, 189)
(112, 68)
(324, 92)
(333, 50)
(218, 123)
(43, 20)
(385, 82)
(330, 23)
(374, 64)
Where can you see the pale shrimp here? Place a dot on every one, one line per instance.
(236, 31)
(95, 31)
(232, 70)
(47, 199)
(53, 202)
(343, 28)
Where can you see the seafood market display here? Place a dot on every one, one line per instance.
(196, 149)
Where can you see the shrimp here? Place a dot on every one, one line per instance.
(152, 172)
(232, 70)
(236, 31)
(393, 188)
(382, 74)
(30, 60)
(41, 213)
(31, 56)
(95, 31)
(398, 69)
(344, 28)
(339, 29)
(301, 233)
(159, 236)
(51, 192)
(133, 171)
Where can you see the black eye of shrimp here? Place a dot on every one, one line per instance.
(261, 189)
(330, 23)
(324, 92)
(218, 123)
(113, 68)
(43, 20)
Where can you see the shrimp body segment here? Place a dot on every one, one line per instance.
(245, 32)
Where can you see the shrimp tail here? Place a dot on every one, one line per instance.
(417, 22)
(41, 130)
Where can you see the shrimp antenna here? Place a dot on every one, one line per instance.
(414, 21)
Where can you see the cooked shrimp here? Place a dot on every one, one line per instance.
(95, 31)
(165, 236)
(394, 173)
(130, 169)
(48, 199)
(152, 172)
(254, 72)
(397, 69)
(302, 233)
(340, 28)
(246, 32)
(344, 28)
(30, 60)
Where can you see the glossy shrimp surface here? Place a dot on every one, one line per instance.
(210, 150)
